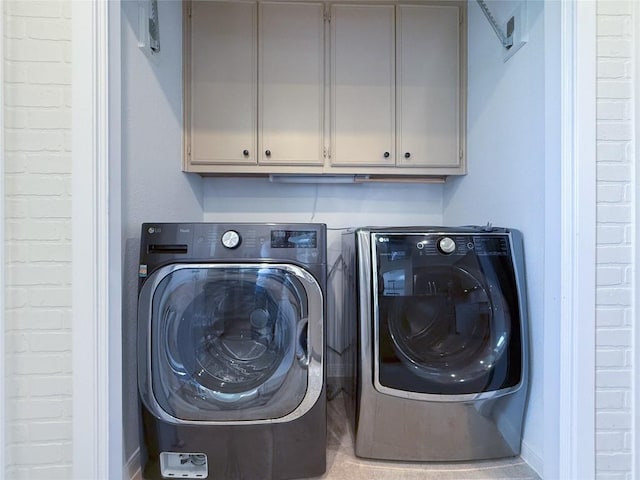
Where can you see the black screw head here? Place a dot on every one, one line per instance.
(245, 153)
(407, 155)
(386, 154)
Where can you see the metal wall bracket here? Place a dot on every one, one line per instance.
(506, 38)
(154, 28)
(149, 28)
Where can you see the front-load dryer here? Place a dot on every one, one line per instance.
(438, 342)
(231, 348)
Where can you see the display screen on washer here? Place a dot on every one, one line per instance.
(294, 239)
(447, 313)
(229, 343)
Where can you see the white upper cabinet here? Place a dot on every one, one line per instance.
(428, 86)
(223, 83)
(362, 85)
(374, 90)
(291, 83)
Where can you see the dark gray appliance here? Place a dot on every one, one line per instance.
(231, 348)
(438, 342)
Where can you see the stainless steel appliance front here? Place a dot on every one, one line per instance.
(440, 357)
(231, 346)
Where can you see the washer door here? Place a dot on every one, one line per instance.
(230, 343)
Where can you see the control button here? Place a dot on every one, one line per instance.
(231, 239)
(447, 245)
(420, 245)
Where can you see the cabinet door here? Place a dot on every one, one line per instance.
(428, 76)
(223, 83)
(291, 85)
(362, 85)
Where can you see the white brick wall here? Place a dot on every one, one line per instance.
(615, 214)
(38, 238)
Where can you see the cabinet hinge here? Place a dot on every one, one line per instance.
(188, 150)
(324, 152)
(327, 17)
(461, 154)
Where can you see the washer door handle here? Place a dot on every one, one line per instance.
(302, 348)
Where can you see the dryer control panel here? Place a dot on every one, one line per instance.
(405, 245)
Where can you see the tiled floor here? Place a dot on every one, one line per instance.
(343, 465)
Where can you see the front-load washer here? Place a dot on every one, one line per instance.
(231, 348)
(438, 342)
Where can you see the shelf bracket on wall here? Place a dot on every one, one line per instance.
(506, 38)
(508, 21)
(154, 28)
(149, 28)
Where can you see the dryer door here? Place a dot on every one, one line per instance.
(446, 323)
(230, 343)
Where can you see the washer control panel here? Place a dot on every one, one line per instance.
(163, 243)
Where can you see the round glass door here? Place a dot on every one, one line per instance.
(229, 343)
(233, 337)
(446, 322)
(453, 328)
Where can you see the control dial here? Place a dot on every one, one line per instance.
(231, 239)
(447, 245)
